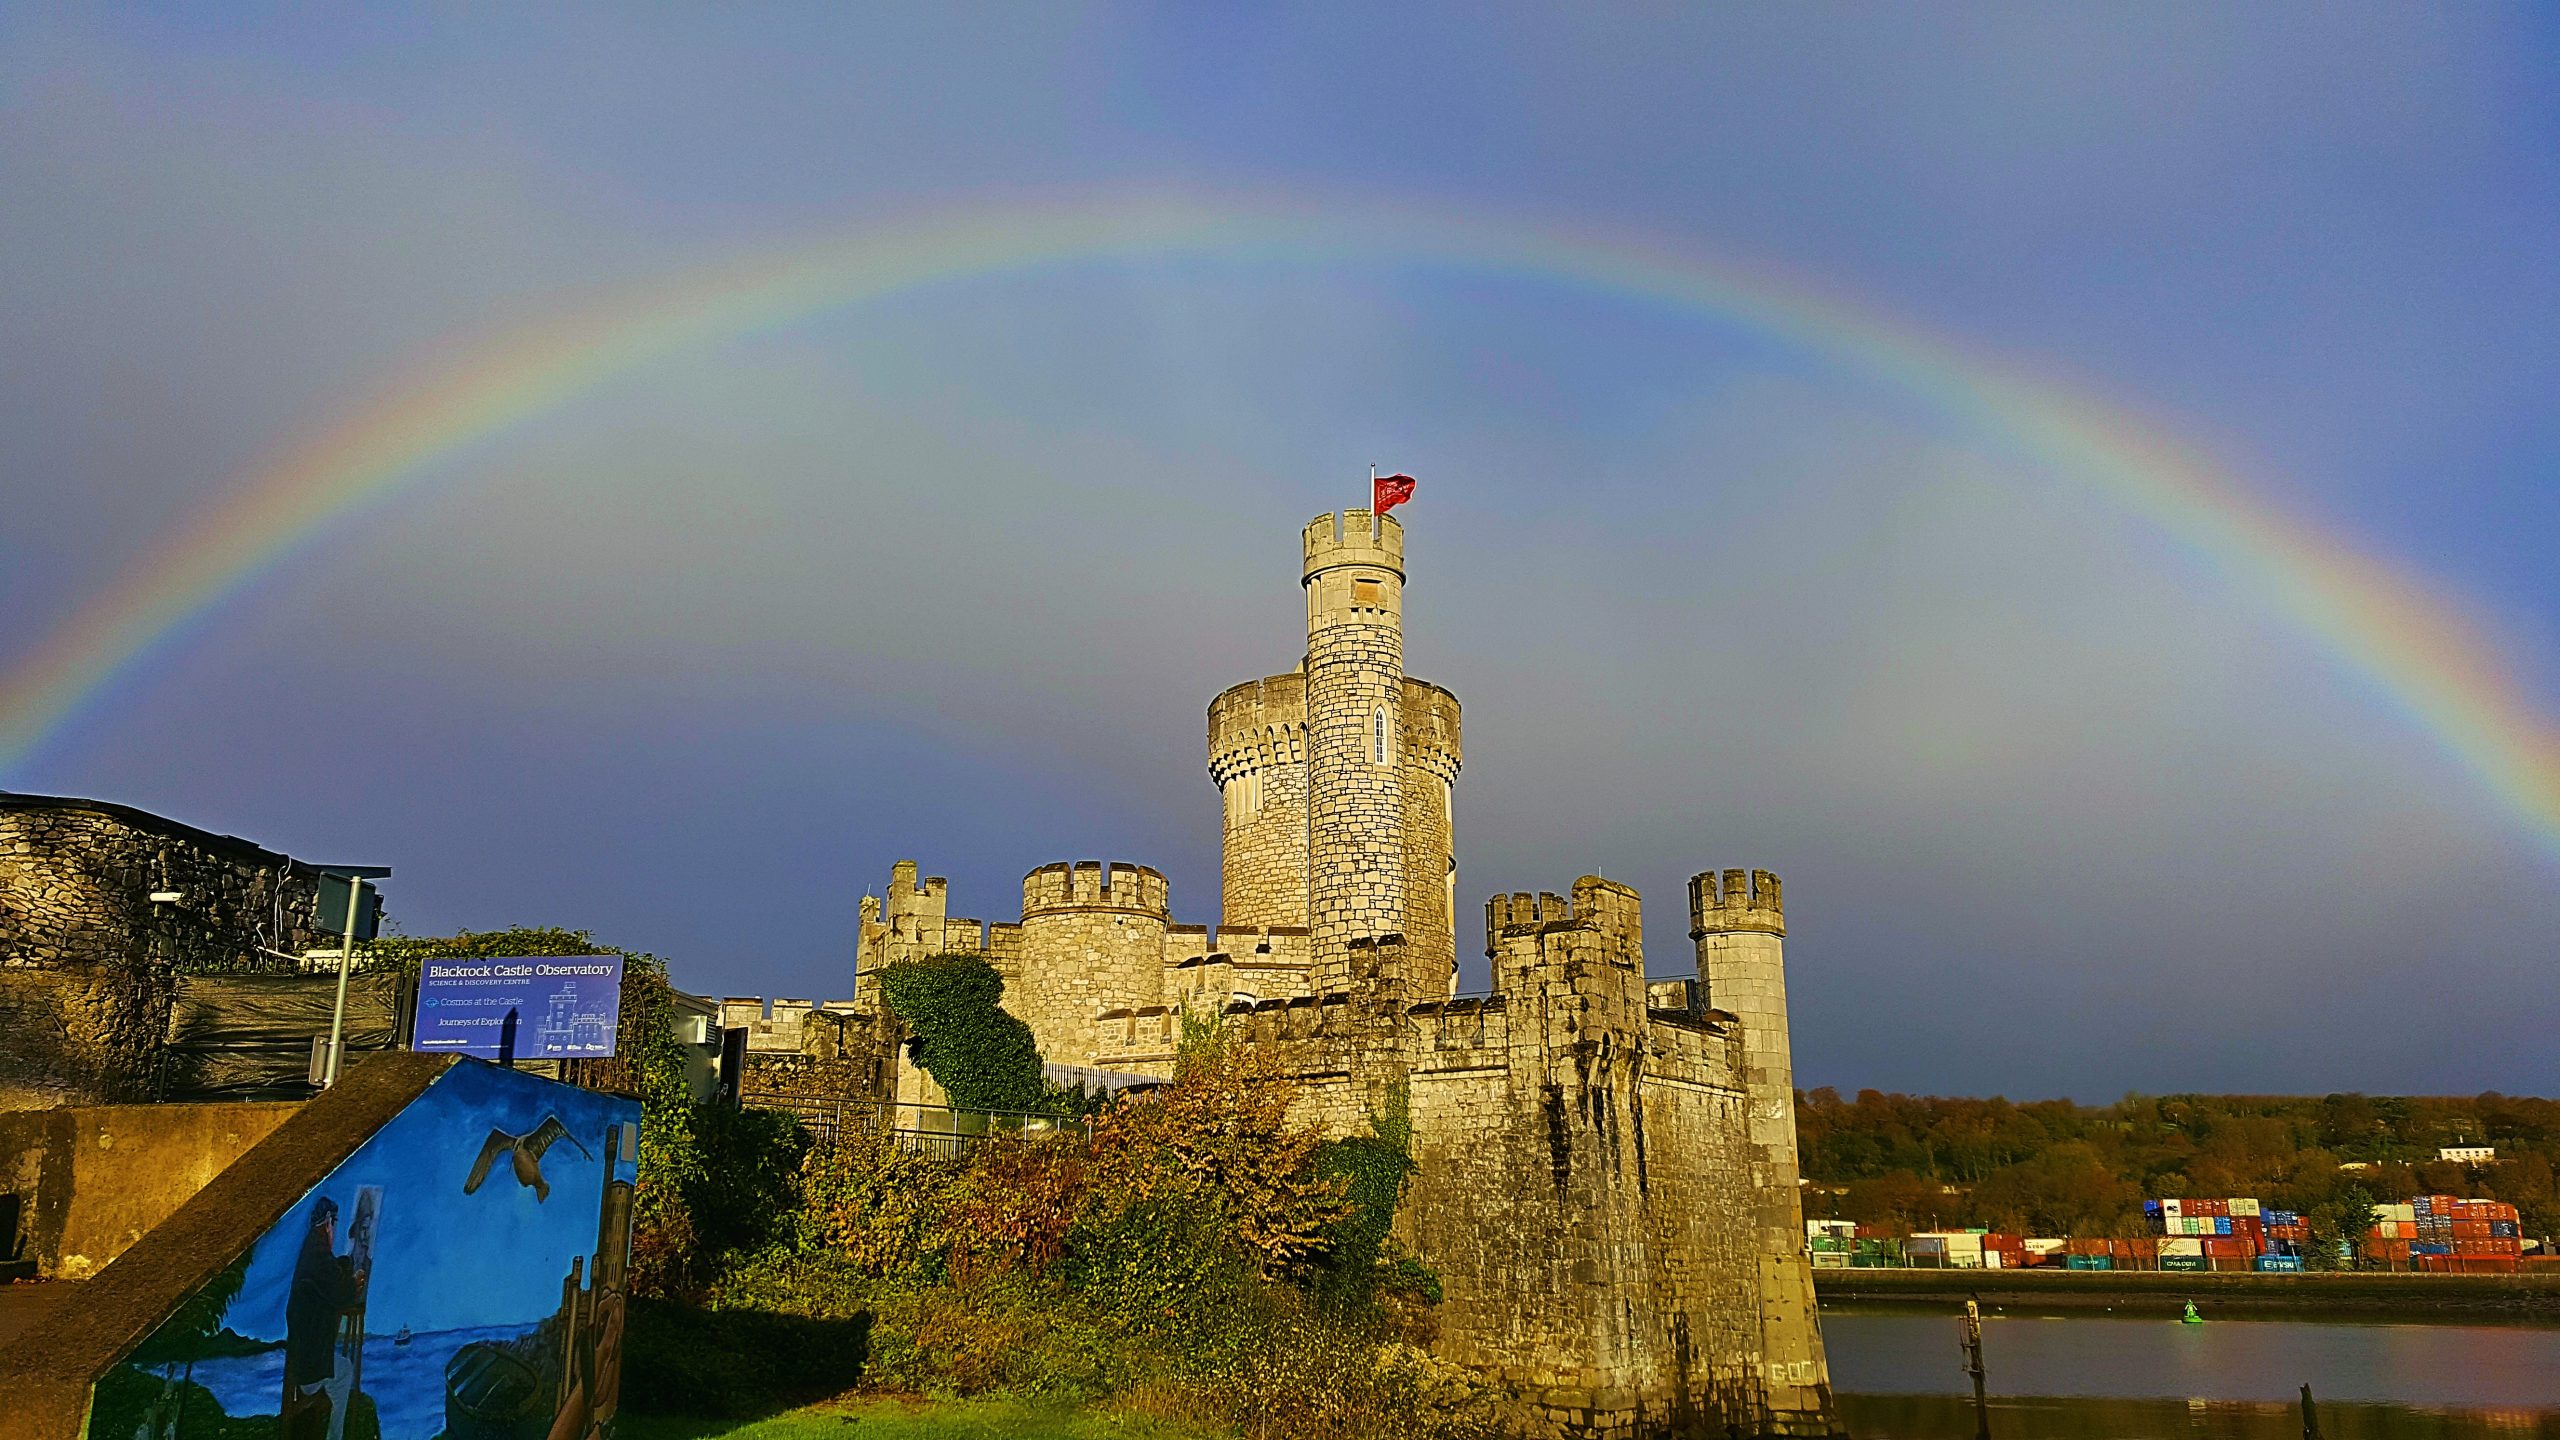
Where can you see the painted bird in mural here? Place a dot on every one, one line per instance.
(526, 1151)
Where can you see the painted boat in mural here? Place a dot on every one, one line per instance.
(492, 1391)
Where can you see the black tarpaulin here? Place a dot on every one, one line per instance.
(238, 1037)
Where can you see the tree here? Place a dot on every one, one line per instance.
(2337, 1224)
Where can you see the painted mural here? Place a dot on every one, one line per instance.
(460, 1276)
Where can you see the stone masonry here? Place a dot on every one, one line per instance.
(1354, 579)
(88, 960)
(1606, 1163)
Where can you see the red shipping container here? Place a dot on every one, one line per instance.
(2206, 1208)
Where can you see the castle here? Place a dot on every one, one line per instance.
(1606, 1175)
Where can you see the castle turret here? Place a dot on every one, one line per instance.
(1356, 885)
(1092, 941)
(1740, 925)
(1258, 756)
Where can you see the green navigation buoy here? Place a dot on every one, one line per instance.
(2191, 1317)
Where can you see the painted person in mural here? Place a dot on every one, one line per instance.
(325, 1287)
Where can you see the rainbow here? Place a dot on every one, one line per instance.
(2412, 644)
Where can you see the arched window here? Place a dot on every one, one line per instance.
(1378, 737)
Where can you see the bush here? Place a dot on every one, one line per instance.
(1192, 1249)
(984, 1058)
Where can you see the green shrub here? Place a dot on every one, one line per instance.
(1000, 1337)
(984, 1058)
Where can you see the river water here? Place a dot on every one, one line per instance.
(2117, 1377)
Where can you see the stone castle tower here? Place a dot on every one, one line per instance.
(1338, 777)
(1605, 1170)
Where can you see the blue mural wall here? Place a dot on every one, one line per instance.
(461, 1275)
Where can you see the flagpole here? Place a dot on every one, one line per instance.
(1375, 527)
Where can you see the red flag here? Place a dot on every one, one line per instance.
(1386, 492)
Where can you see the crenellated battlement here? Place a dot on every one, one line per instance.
(1353, 537)
(1258, 724)
(1739, 900)
(784, 1028)
(1521, 913)
(1094, 885)
(1602, 906)
(1427, 733)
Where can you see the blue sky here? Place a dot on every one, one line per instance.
(690, 660)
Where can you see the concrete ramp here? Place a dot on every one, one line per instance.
(436, 1247)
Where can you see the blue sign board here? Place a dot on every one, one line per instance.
(538, 1007)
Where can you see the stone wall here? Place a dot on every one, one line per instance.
(77, 876)
(92, 1179)
(88, 958)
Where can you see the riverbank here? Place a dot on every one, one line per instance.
(2310, 1294)
(891, 1419)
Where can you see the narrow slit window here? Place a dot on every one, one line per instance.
(1378, 737)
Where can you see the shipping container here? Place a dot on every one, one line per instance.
(2280, 1263)
(2182, 1262)
(2242, 1205)
(2181, 1247)
(2467, 1264)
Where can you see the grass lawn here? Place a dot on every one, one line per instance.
(912, 1420)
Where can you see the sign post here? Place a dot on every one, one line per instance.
(348, 885)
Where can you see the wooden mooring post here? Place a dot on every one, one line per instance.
(2310, 1417)
(1973, 1367)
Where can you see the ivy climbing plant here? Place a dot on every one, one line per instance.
(961, 1035)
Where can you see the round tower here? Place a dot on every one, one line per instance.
(1093, 938)
(1740, 925)
(1427, 766)
(1258, 757)
(1356, 884)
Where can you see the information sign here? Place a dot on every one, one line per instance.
(528, 1007)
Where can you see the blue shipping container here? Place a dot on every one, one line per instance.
(2279, 1262)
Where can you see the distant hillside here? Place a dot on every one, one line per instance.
(2052, 1167)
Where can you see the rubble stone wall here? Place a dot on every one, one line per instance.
(90, 959)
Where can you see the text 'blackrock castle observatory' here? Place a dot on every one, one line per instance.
(1606, 1168)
